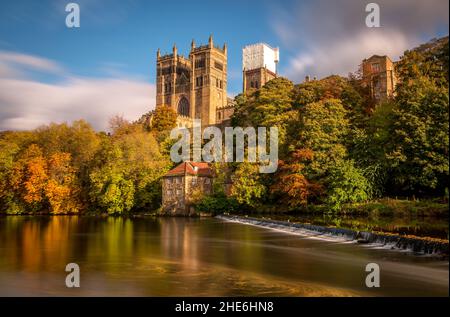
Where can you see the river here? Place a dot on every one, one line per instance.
(198, 257)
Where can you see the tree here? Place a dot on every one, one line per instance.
(126, 173)
(270, 106)
(290, 182)
(111, 191)
(247, 187)
(29, 177)
(420, 140)
(62, 190)
(419, 148)
(323, 128)
(164, 119)
(346, 184)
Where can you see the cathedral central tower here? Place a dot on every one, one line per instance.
(195, 87)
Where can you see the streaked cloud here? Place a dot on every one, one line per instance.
(330, 37)
(26, 103)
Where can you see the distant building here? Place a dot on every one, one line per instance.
(378, 73)
(196, 86)
(180, 184)
(259, 65)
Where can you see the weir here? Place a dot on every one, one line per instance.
(392, 241)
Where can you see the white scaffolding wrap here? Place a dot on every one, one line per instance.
(260, 55)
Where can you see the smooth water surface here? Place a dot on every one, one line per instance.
(197, 257)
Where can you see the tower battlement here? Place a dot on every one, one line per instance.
(195, 86)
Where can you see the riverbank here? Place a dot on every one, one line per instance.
(418, 245)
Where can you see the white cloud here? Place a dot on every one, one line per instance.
(12, 64)
(343, 57)
(330, 37)
(26, 103)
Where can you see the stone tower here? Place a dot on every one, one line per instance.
(378, 74)
(259, 65)
(196, 86)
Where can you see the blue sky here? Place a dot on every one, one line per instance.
(49, 72)
(121, 36)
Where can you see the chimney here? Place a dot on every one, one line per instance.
(306, 78)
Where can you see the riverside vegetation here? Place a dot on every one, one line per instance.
(340, 152)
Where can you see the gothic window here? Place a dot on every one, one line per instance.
(199, 63)
(199, 81)
(183, 107)
(218, 65)
(251, 84)
(166, 71)
(167, 87)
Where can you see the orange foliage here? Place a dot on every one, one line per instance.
(290, 181)
(61, 190)
(51, 182)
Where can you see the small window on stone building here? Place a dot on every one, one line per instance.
(199, 81)
(256, 84)
(375, 67)
(221, 86)
(178, 192)
(207, 181)
(218, 65)
(194, 181)
(251, 84)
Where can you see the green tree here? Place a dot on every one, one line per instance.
(346, 184)
(323, 128)
(126, 173)
(420, 140)
(247, 185)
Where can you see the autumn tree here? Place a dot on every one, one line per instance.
(291, 185)
(164, 119)
(61, 189)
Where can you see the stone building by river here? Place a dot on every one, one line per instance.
(182, 183)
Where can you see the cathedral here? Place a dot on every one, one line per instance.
(195, 86)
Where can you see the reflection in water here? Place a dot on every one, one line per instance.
(189, 257)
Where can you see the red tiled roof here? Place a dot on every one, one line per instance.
(191, 168)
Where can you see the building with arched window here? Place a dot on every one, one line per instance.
(183, 107)
(196, 86)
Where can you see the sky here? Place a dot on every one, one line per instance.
(106, 67)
